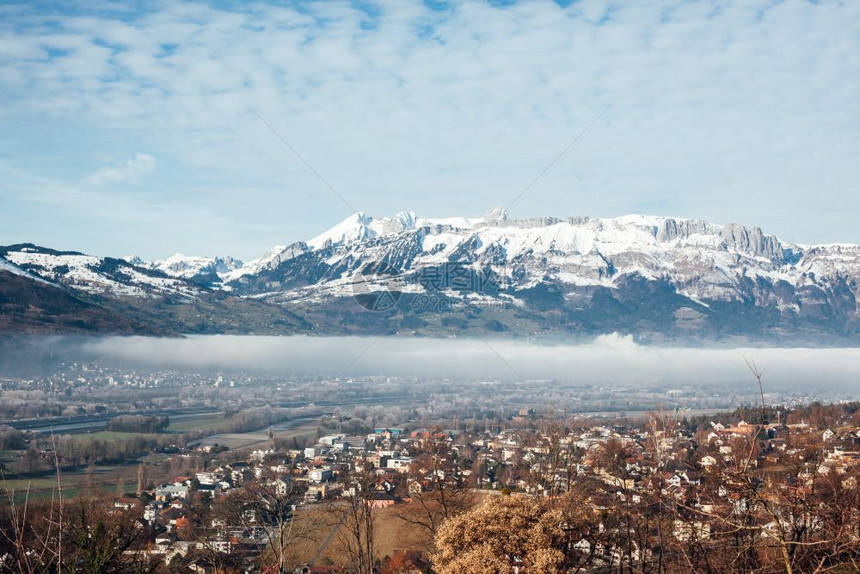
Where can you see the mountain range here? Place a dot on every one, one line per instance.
(658, 278)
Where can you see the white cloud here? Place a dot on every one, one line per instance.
(729, 111)
(130, 172)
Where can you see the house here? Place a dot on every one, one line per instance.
(318, 475)
(331, 440)
(220, 544)
(316, 492)
(207, 489)
(400, 464)
(685, 531)
(206, 477)
(316, 450)
(150, 513)
(415, 487)
(171, 491)
(126, 503)
(377, 459)
(259, 455)
(283, 485)
(382, 500)
(707, 461)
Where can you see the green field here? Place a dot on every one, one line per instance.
(115, 435)
(20, 484)
(101, 477)
(257, 439)
(40, 490)
(213, 422)
(8, 456)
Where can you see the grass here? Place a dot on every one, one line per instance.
(50, 491)
(10, 455)
(104, 478)
(197, 423)
(20, 484)
(308, 430)
(115, 435)
(390, 533)
(235, 441)
(257, 438)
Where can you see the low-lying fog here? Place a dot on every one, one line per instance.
(609, 358)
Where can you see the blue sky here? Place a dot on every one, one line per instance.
(133, 127)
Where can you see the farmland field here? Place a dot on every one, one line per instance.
(208, 422)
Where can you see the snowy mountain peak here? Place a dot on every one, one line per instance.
(667, 276)
(496, 214)
(405, 220)
(359, 227)
(190, 266)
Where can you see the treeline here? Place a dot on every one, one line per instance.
(139, 424)
(74, 451)
(12, 439)
(261, 417)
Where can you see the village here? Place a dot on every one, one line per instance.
(657, 485)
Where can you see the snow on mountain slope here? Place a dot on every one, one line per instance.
(14, 269)
(702, 261)
(360, 227)
(189, 267)
(97, 275)
(830, 260)
(666, 276)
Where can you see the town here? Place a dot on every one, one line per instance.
(760, 488)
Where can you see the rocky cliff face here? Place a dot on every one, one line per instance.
(656, 277)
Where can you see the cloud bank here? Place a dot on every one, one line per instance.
(607, 359)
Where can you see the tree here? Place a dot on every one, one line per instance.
(98, 538)
(438, 489)
(268, 508)
(85, 535)
(29, 535)
(503, 534)
(358, 523)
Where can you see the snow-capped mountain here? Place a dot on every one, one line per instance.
(100, 276)
(588, 272)
(206, 271)
(15, 270)
(703, 261)
(656, 277)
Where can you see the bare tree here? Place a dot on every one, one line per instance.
(438, 488)
(267, 508)
(28, 535)
(357, 532)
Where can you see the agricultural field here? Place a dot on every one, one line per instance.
(202, 423)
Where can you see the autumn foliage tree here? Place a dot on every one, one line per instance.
(503, 534)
